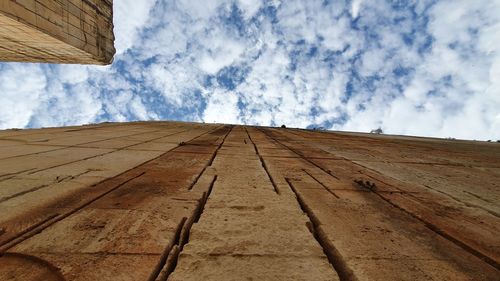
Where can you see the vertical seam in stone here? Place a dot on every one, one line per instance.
(263, 163)
(336, 260)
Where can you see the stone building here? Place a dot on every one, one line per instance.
(57, 31)
(186, 201)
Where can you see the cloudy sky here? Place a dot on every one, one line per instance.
(428, 68)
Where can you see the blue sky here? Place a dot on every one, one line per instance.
(428, 68)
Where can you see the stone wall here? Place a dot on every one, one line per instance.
(57, 31)
(185, 201)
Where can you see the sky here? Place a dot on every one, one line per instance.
(425, 68)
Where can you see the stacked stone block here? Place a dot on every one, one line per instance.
(57, 31)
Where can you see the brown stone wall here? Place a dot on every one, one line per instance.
(57, 31)
(184, 201)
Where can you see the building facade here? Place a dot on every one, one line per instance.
(186, 201)
(57, 31)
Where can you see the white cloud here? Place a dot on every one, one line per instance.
(249, 7)
(72, 74)
(171, 82)
(130, 16)
(372, 62)
(139, 110)
(199, 9)
(222, 52)
(353, 65)
(337, 34)
(222, 108)
(21, 88)
(355, 6)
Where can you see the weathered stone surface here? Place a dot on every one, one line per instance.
(62, 31)
(183, 201)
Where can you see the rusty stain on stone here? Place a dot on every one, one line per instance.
(186, 201)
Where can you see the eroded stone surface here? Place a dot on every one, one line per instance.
(158, 200)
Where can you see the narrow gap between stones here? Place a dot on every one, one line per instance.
(434, 228)
(109, 152)
(25, 231)
(218, 147)
(75, 145)
(214, 154)
(322, 184)
(334, 257)
(32, 232)
(263, 163)
(300, 155)
(169, 262)
(166, 252)
(429, 225)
